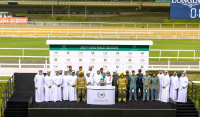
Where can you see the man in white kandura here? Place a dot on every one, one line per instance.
(165, 87)
(65, 86)
(91, 74)
(72, 87)
(89, 79)
(56, 87)
(48, 87)
(108, 79)
(174, 86)
(183, 85)
(97, 78)
(39, 87)
(160, 76)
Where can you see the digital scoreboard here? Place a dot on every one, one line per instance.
(185, 9)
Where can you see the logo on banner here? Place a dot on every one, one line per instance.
(105, 53)
(133, 46)
(68, 52)
(55, 59)
(129, 59)
(142, 60)
(80, 59)
(68, 59)
(129, 66)
(105, 66)
(189, 3)
(92, 59)
(101, 95)
(142, 66)
(63, 46)
(142, 53)
(130, 53)
(117, 52)
(92, 52)
(80, 53)
(55, 52)
(92, 66)
(117, 60)
(117, 66)
(105, 59)
(55, 66)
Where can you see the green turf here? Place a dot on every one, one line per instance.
(41, 43)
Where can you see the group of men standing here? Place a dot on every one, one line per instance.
(162, 86)
(71, 86)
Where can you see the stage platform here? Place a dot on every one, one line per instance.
(24, 93)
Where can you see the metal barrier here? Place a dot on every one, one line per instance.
(193, 94)
(7, 94)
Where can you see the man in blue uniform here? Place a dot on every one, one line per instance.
(146, 85)
(139, 83)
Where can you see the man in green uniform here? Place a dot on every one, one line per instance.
(114, 83)
(133, 80)
(127, 76)
(154, 86)
(146, 85)
(102, 73)
(70, 70)
(80, 69)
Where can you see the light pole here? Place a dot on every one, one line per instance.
(86, 9)
(52, 8)
(68, 8)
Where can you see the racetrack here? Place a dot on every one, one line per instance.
(98, 32)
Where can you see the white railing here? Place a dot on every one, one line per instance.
(151, 50)
(151, 67)
(99, 33)
(105, 24)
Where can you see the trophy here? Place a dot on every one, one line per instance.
(103, 83)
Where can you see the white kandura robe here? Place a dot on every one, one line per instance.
(65, 85)
(182, 92)
(165, 91)
(173, 87)
(109, 80)
(97, 79)
(89, 79)
(48, 91)
(39, 92)
(56, 90)
(91, 75)
(160, 76)
(72, 90)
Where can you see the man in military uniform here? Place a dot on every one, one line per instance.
(70, 70)
(114, 83)
(146, 85)
(154, 86)
(80, 69)
(81, 86)
(127, 76)
(102, 73)
(122, 83)
(133, 80)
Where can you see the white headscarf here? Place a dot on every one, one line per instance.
(39, 72)
(167, 73)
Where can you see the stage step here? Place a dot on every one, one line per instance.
(16, 109)
(185, 105)
(186, 109)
